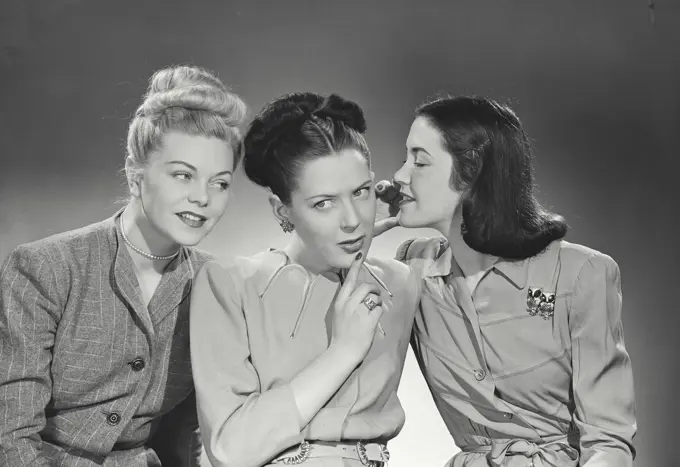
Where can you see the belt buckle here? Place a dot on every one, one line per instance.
(300, 457)
(363, 456)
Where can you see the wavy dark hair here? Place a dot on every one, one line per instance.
(493, 169)
(294, 129)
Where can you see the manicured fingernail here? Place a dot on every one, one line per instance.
(359, 255)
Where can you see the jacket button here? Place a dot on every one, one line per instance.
(480, 375)
(113, 419)
(137, 364)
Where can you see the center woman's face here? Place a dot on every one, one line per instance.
(333, 207)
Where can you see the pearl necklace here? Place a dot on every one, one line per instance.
(142, 252)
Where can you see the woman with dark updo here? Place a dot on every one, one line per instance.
(297, 352)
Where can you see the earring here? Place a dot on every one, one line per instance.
(287, 226)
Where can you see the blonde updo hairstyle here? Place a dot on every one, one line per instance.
(186, 99)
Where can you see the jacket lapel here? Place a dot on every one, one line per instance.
(173, 288)
(126, 279)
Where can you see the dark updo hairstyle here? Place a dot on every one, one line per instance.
(297, 128)
(492, 168)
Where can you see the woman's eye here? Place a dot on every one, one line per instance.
(322, 204)
(182, 176)
(361, 193)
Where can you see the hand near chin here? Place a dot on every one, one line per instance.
(356, 313)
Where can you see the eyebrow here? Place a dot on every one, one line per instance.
(416, 149)
(189, 166)
(363, 185)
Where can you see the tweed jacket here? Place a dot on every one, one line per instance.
(89, 375)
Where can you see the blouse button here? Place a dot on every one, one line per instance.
(480, 375)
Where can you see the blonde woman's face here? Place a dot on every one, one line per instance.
(185, 187)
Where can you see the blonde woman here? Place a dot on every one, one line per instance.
(94, 338)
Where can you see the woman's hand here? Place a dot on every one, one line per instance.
(384, 225)
(356, 313)
(387, 194)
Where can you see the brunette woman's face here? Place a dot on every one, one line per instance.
(333, 207)
(429, 200)
(184, 189)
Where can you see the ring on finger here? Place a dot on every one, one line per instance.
(369, 303)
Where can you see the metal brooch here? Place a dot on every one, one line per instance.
(540, 303)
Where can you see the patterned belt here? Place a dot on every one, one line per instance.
(368, 453)
(540, 455)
